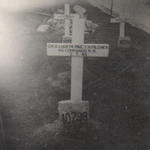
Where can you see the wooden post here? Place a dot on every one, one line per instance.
(67, 20)
(122, 26)
(67, 9)
(122, 29)
(123, 40)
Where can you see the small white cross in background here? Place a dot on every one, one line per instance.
(122, 25)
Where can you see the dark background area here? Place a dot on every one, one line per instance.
(116, 87)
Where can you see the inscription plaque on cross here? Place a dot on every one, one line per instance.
(75, 109)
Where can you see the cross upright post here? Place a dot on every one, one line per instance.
(77, 62)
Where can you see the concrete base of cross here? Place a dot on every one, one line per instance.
(74, 114)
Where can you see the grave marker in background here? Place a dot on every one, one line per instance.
(123, 41)
(122, 26)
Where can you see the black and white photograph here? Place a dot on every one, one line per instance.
(74, 74)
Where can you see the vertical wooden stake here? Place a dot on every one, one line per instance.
(67, 20)
(122, 29)
(77, 62)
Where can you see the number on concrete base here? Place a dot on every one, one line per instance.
(72, 117)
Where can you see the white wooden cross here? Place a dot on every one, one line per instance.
(122, 25)
(77, 50)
